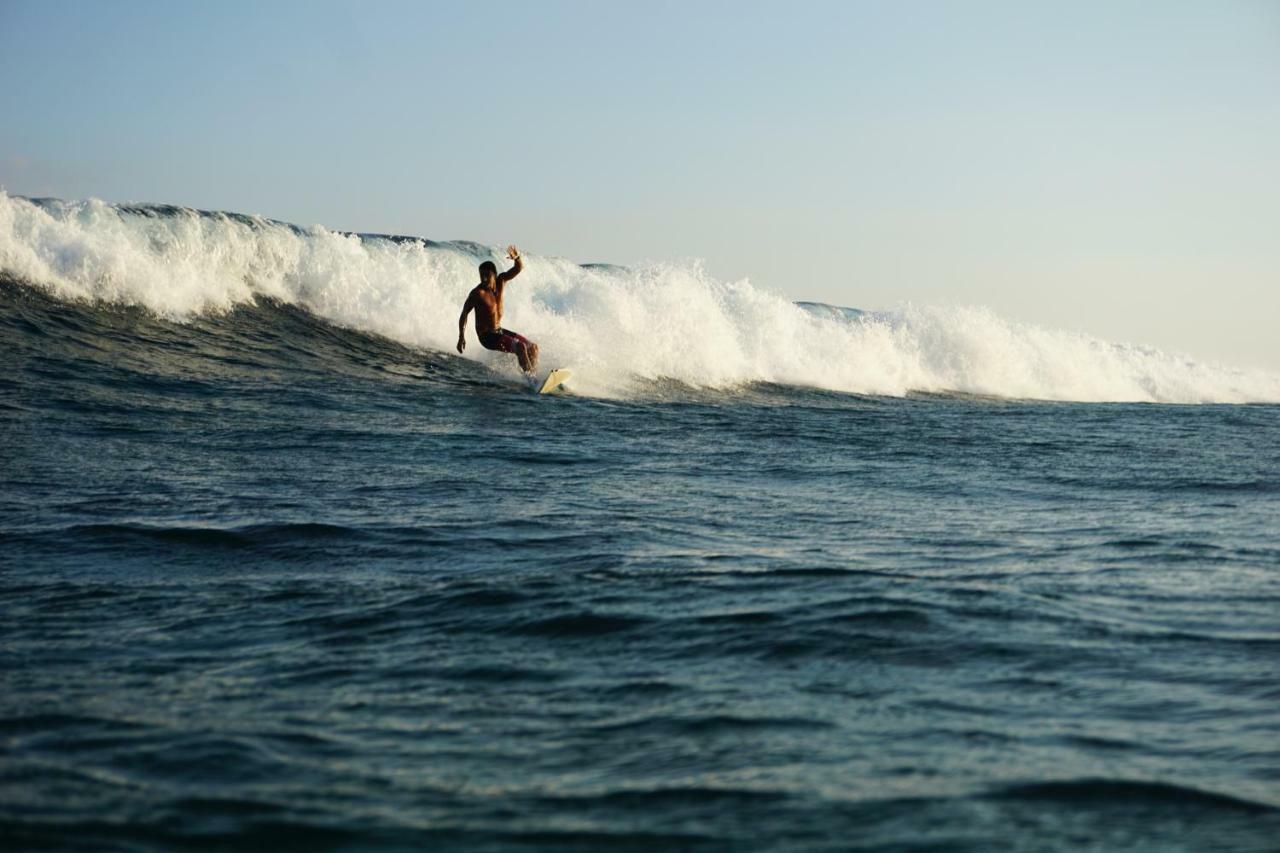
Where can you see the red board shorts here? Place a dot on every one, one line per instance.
(503, 340)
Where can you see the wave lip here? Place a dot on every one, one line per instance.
(621, 329)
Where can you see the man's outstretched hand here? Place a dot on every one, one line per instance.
(462, 344)
(513, 253)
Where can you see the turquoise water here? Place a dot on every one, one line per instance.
(269, 581)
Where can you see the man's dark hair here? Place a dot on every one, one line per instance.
(488, 267)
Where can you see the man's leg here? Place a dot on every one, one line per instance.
(526, 350)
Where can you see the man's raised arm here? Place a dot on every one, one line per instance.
(514, 254)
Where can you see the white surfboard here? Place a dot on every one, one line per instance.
(554, 380)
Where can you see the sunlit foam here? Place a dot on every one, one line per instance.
(616, 327)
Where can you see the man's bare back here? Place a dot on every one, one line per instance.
(486, 300)
(488, 307)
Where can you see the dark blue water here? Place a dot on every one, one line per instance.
(265, 582)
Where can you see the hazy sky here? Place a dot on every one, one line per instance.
(1112, 167)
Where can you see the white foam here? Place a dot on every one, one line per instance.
(616, 327)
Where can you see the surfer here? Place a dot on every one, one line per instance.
(486, 299)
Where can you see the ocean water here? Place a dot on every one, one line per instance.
(278, 569)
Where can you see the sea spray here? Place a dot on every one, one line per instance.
(619, 328)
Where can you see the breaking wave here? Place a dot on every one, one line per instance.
(618, 327)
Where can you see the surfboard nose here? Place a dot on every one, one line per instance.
(554, 380)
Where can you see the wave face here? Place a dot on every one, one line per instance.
(620, 328)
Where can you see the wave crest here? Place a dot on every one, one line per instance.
(618, 327)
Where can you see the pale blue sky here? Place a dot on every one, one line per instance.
(1112, 167)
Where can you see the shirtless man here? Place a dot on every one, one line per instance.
(486, 299)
